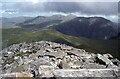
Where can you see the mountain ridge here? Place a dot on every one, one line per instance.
(80, 26)
(90, 27)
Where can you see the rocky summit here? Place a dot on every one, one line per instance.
(49, 59)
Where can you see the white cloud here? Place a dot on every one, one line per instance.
(113, 16)
(107, 8)
(61, 0)
(36, 1)
(2, 12)
(8, 12)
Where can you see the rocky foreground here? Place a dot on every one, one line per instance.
(49, 59)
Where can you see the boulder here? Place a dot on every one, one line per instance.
(46, 71)
(19, 60)
(17, 75)
(58, 54)
(92, 66)
(116, 62)
(63, 65)
(103, 60)
(91, 58)
(24, 74)
(83, 73)
(45, 57)
(109, 56)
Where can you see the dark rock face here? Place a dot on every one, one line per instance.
(92, 27)
(47, 59)
(117, 36)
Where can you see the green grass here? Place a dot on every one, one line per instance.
(8, 61)
(17, 35)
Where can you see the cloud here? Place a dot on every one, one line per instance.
(104, 8)
(7, 12)
(61, 0)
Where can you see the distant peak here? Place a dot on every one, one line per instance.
(71, 15)
(68, 17)
(40, 17)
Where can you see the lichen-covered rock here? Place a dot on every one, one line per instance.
(109, 56)
(87, 73)
(18, 75)
(44, 58)
(24, 74)
(46, 71)
(104, 60)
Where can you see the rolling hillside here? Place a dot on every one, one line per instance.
(17, 35)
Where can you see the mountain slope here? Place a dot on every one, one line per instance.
(116, 37)
(91, 27)
(12, 36)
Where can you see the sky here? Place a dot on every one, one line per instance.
(86, 8)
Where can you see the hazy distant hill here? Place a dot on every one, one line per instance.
(11, 22)
(41, 22)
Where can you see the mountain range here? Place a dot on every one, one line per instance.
(94, 34)
(90, 27)
(11, 22)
